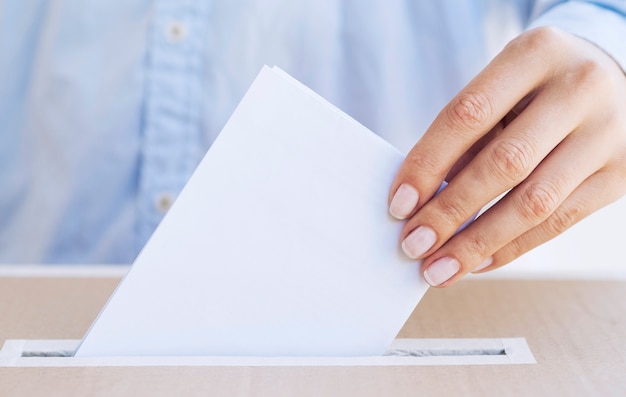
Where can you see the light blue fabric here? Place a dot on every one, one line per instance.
(106, 107)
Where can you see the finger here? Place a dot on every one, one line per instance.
(473, 151)
(509, 78)
(521, 210)
(506, 161)
(581, 203)
(468, 156)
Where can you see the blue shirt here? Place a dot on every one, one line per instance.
(106, 107)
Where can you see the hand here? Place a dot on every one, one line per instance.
(545, 123)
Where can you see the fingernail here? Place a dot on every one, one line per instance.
(441, 271)
(419, 241)
(403, 202)
(486, 263)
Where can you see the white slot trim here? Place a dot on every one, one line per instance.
(402, 352)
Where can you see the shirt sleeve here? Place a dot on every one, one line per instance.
(601, 22)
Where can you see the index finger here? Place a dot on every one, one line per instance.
(471, 114)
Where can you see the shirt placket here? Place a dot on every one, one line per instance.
(171, 133)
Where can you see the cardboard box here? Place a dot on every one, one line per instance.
(576, 331)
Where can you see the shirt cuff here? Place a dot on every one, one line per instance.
(605, 27)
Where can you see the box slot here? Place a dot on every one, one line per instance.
(402, 352)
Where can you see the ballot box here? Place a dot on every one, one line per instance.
(575, 331)
(321, 302)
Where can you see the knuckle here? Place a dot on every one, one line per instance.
(588, 75)
(562, 219)
(585, 71)
(477, 246)
(516, 248)
(470, 111)
(511, 160)
(542, 39)
(539, 201)
(451, 210)
(592, 71)
(424, 162)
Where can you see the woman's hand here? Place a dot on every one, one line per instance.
(545, 121)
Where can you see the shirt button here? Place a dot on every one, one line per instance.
(164, 202)
(175, 31)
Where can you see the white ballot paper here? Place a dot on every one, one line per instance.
(280, 244)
